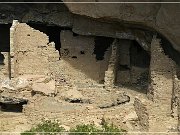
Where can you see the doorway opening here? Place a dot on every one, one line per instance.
(132, 65)
(4, 47)
(4, 37)
(101, 46)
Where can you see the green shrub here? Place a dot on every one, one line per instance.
(51, 127)
(87, 129)
(91, 129)
(112, 130)
(45, 126)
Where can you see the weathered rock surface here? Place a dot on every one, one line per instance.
(26, 86)
(127, 21)
(44, 86)
(157, 16)
(120, 99)
(11, 100)
(49, 13)
(147, 16)
(74, 96)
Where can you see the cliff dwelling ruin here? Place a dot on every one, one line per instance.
(77, 69)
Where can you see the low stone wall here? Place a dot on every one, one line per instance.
(142, 112)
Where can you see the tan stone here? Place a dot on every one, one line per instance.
(44, 88)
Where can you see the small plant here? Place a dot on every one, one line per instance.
(112, 130)
(89, 129)
(52, 128)
(46, 126)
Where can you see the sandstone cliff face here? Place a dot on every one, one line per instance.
(109, 19)
(162, 17)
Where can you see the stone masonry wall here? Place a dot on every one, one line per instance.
(159, 115)
(153, 117)
(78, 66)
(120, 70)
(176, 103)
(161, 75)
(143, 112)
(31, 51)
(110, 74)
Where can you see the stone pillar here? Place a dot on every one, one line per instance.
(110, 74)
(11, 59)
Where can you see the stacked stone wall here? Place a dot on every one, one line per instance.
(31, 52)
(78, 66)
(161, 76)
(110, 74)
(160, 111)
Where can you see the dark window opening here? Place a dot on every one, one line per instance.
(54, 36)
(138, 56)
(74, 57)
(1, 59)
(76, 101)
(65, 52)
(87, 101)
(5, 37)
(101, 81)
(82, 52)
(101, 46)
(75, 34)
(16, 107)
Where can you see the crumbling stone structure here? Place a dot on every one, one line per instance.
(96, 80)
(162, 91)
(124, 66)
(110, 74)
(161, 74)
(31, 51)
